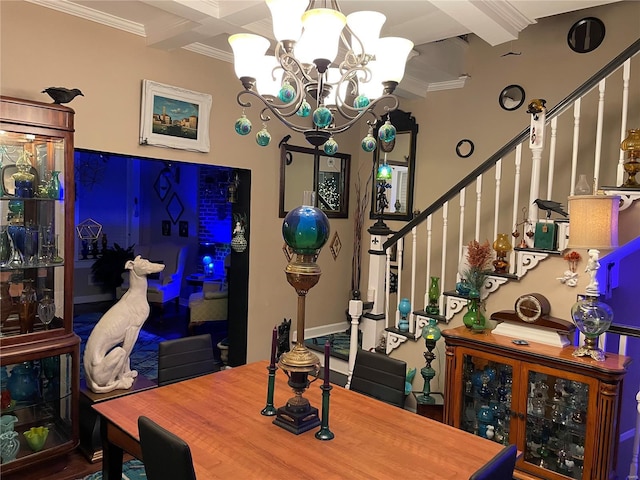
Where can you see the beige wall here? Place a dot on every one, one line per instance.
(109, 65)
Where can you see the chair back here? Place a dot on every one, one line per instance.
(185, 358)
(379, 376)
(499, 467)
(164, 454)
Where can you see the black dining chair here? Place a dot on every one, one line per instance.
(500, 467)
(164, 454)
(184, 358)
(379, 376)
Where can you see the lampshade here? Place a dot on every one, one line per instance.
(392, 52)
(287, 18)
(593, 221)
(248, 51)
(322, 29)
(268, 81)
(366, 25)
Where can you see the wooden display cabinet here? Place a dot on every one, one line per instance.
(39, 360)
(560, 411)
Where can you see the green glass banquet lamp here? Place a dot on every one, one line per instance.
(431, 334)
(305, 230)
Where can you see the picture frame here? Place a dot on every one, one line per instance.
(174, 117)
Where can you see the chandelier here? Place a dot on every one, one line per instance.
(305, 71)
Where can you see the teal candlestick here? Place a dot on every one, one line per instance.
(324, 433)
(269, 410)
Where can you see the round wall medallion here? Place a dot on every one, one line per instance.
(586, 35)
(465, 148)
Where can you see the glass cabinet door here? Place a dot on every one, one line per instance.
(555, 431)
(36, 406)
(487, 398)
(31, 233)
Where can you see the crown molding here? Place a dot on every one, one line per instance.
(93, 15)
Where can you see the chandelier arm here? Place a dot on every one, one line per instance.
(273, 109)
(369, 110)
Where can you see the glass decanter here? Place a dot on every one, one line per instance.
(46, 308)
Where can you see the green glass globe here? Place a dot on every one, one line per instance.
(306, 229)
(287, 93)
(322, 117)
(387, 132)
(243, 125)
(263, 137)
(368, 143)
(304, 110)
(330, 146)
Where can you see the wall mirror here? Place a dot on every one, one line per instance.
(311, 169)
(586, 35)
(512, 97)
(401, 159)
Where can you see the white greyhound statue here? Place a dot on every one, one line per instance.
(106, 355)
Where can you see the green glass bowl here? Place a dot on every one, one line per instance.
(36, 436)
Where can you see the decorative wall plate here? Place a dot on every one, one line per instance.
(335, 246)
(175, 208)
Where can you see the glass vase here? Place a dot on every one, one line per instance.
(54, 188)
(404, 307)
(582, 186)
(631, 146)
(474, 319)
(46, 308)
(27, 307)
(434, 296)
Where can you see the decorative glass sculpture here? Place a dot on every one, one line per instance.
(46, 308)
(36, 437)
(434, 296)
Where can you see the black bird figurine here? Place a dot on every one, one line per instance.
(61, 94)
(550, 206)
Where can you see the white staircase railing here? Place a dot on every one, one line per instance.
(436, 248)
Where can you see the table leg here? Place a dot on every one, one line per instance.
(112, 455)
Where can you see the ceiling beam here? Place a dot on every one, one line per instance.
(494, 22)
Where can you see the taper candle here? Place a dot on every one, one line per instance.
(274, 342)
(327, 354)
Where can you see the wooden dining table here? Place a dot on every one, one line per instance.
(218, 415)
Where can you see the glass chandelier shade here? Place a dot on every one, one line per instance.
(311, 72)
(306, 228)
(384, 172)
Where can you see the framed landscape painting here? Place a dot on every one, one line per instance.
(174, 117)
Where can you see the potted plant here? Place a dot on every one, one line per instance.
(109, 267)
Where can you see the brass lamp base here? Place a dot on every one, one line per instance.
(590, 349)
(297, 416)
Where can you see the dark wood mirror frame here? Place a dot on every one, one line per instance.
(303, 169)
(405, 125)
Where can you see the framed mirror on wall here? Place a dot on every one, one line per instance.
(401, 158)
(308, 169)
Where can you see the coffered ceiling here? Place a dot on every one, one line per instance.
(434, 26)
